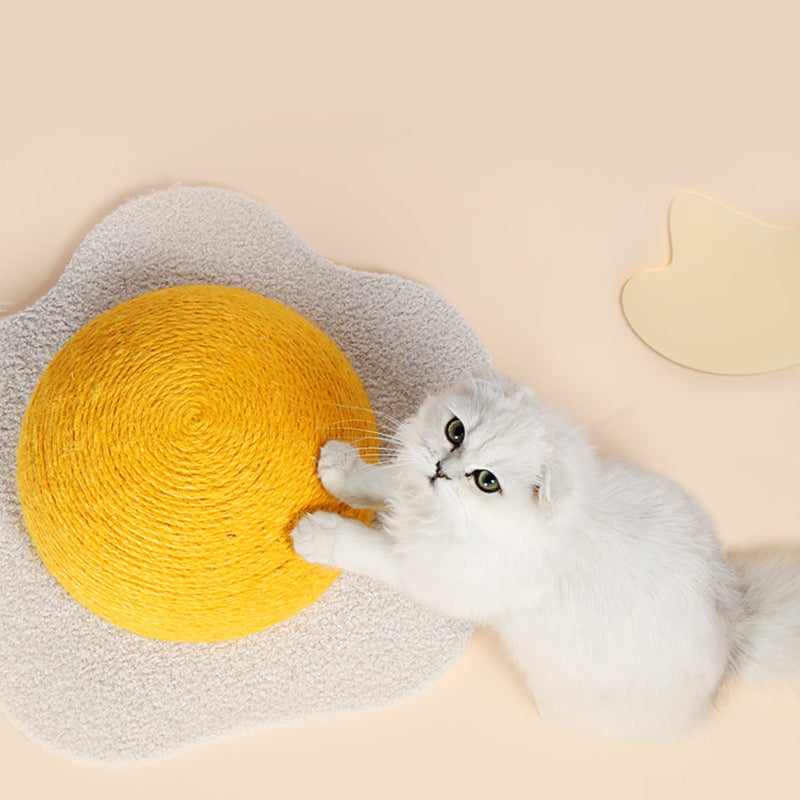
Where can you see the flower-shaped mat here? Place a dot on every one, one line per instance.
(96, 693)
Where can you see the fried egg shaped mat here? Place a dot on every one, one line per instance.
(87, 678)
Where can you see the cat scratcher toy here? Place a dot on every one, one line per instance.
(169, 449)
(163, 406)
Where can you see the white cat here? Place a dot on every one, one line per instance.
(606, 583)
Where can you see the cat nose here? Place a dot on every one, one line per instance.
(440, 473)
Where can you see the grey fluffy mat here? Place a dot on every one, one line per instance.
(96, 693)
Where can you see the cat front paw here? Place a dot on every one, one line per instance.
(314, 537)
(336, 461)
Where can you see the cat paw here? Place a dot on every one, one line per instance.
(336, 461)
(314, 537)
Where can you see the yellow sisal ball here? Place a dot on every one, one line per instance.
(170, 447)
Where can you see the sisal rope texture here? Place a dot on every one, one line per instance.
(170, 447)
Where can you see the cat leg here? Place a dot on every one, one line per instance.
(336, 541)
(352, 480)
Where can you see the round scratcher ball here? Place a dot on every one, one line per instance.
(169, 449)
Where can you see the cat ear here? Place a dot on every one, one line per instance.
(511, 389)
(554, 485)
(508, 386)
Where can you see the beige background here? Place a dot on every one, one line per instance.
(517, 157)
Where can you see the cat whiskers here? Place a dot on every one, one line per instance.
(385, 422)
(386, 452)
(347, 424)
(337, 427)
(369, 411)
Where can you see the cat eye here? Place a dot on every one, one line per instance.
(486, 481)
(455, 431)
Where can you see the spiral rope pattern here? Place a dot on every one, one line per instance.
(170, 447)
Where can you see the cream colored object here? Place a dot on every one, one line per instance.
(729, 302)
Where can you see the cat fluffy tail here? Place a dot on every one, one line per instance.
(768, 633)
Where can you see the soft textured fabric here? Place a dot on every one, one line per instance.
(95, 692)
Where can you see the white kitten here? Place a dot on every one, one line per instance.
(605, 582)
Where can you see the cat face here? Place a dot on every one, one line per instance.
(484, 452)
